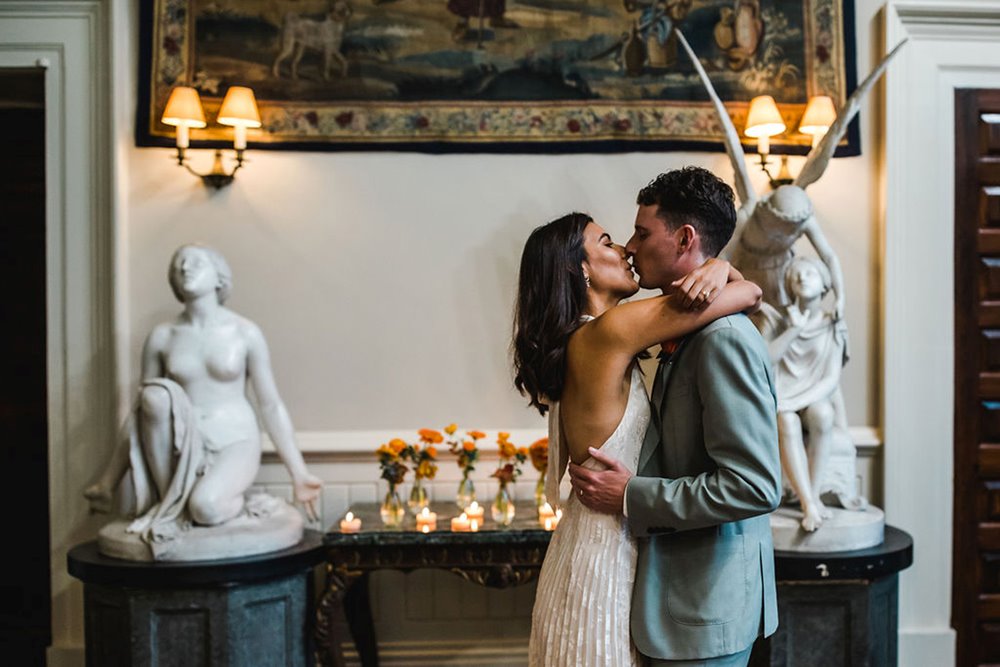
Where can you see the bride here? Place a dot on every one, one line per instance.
(575, 357)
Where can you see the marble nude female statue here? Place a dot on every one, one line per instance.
(192, 444)
(808, 348)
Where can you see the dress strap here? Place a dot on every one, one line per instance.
(558, 457)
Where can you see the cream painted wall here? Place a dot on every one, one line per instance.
(384, 282)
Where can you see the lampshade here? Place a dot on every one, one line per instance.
(239, 107)
(184, 108)
(819, 115)
(763, 119)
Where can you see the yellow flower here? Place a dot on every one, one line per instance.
(450, 429)
(507, 450)
(384, 450)
(430, 436)
(397, 446)
(426, 470)
(503, 436)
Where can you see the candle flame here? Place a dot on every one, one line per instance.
(474, 526)
(426, 528)
(349, 517)
(548, 524)
(464, 517)
(425, 512)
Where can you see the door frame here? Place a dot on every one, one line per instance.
(70, 39)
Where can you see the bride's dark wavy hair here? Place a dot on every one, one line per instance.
(551, 296)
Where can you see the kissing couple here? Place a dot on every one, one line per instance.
(663, 555)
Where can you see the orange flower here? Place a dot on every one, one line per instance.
(476, 435)
(384, 450)
(397, 446)
(468, 445)
(507, 450)
(450, 429)
(541, 443)
(503, 436)
(429, 435)
(523, 451)
(426, 470)
(432, 452)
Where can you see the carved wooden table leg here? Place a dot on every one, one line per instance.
(344, 613)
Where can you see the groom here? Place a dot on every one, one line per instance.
(709, 471)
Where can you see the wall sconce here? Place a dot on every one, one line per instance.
(184, 111)
(764, 121)
(818, 118)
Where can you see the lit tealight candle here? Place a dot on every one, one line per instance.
(350, 523)
(473, 526)
(475, 511)
(427, 520)
(545, 512)
(547, 524)
(460, 524)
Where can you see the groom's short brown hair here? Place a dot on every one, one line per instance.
(697, 197)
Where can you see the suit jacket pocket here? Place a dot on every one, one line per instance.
(706, 578)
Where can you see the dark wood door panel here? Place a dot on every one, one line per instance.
(976, 557)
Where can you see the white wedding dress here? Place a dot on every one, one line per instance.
(584, 594)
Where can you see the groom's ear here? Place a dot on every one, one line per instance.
(686, 237)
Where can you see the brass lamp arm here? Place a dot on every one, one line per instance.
(217, 178)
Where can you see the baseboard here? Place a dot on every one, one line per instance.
(471, 652)
(65, 656)
(930, 647)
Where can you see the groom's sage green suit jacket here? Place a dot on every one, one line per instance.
(709, 474)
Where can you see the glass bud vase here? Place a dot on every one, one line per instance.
(466, 492)
(540, 498)
(392, 509)
(418, 497)
(503, 506)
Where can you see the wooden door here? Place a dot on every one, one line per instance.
(25, 599)
(976, 566)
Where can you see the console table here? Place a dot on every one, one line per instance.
(493, 556)
(836, 609)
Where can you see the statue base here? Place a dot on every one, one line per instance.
(846, 530)
(271, 525)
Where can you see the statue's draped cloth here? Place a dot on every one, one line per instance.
(810, 369)
(160, 519)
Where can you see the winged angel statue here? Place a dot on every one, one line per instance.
(808, 346)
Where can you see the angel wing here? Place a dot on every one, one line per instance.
(819, 157)
(744, 188)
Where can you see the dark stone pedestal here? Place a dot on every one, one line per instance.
(238, 612)
(838, 609)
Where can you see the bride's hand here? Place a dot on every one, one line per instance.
(307, 489)
(700, 287)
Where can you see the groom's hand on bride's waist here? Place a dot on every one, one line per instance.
(601, 490)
